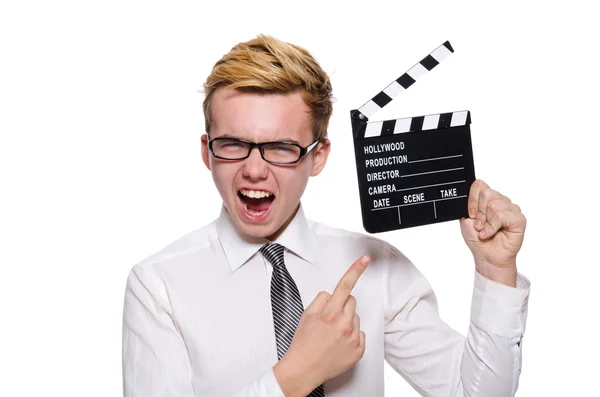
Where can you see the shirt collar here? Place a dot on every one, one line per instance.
(298, 237)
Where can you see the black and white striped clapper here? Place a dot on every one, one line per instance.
(412, 171)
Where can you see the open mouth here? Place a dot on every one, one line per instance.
(256, 202)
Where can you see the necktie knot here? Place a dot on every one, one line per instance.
(274, 254)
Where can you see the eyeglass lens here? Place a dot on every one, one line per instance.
(277, 152)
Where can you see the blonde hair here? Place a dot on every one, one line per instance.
(268, 65)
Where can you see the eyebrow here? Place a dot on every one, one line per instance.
(284, 139)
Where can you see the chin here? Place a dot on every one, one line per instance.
(258, 231)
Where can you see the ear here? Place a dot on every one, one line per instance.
(204, 147)
(320, 156)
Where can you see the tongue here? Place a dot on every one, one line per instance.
(257, 204)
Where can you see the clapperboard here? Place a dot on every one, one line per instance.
(412, 171)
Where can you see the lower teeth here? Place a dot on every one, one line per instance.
(252, 212)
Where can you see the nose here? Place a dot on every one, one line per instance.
(255, 168)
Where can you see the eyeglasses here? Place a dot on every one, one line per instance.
(272, 152)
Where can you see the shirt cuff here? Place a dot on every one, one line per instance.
(265, 386)
(498, 308)
(272, 385)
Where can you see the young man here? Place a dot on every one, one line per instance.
(263, 302)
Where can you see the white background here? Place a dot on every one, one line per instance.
(100, 123)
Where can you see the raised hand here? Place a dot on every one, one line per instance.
(493, 232)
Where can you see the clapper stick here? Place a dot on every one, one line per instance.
(416, 170)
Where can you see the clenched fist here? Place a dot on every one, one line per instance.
(494, 233)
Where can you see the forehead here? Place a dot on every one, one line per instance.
(260, 117)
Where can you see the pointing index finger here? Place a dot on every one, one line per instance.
(347, 282)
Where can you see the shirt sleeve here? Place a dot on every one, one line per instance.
(154, 356)
(435, 359)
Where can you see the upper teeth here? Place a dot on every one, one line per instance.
(255, 193)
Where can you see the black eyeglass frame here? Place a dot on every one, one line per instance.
(303, 150)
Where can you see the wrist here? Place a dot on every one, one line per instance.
(293, 380)
(502, 275)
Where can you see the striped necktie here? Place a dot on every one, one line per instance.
(285, 302)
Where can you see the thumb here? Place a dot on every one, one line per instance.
(469, 233)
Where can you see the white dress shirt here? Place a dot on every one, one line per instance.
(198, 320)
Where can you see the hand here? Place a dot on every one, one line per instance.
(328, 340)
(494, 233)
